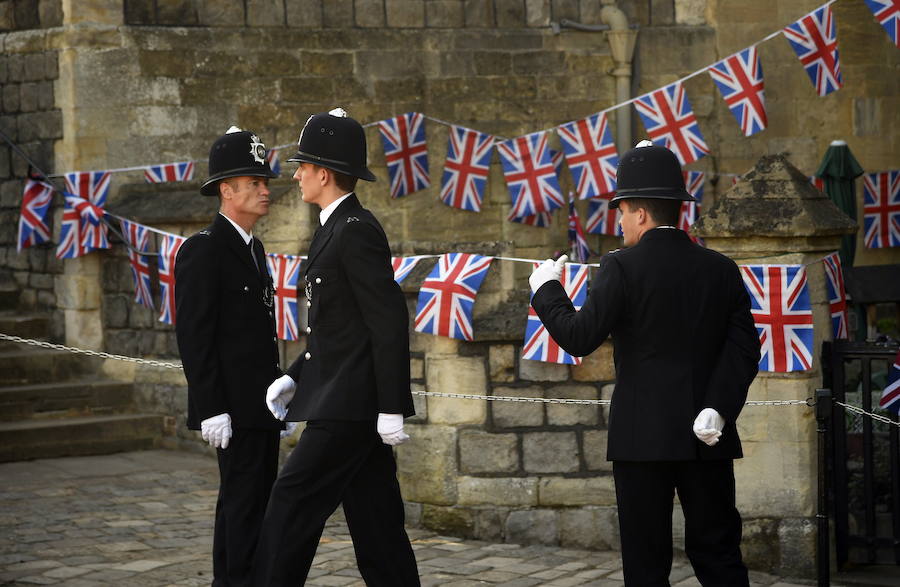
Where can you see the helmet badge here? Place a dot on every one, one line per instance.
(257, 149)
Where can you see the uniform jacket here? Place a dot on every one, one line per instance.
(684, 340)
(225, 329)
(356, 363)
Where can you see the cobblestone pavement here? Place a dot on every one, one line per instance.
(145, 518)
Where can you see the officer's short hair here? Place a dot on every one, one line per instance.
(345, 182)
(664, 212)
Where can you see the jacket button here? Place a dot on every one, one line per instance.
(246, 288)
(307, 356)
(308, 303)
(308, 330)
(318, 280)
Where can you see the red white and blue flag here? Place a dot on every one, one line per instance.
(591, 155)
(667, 116)
(581, 251)
(881, 209)
(531, 176)
(182, 171)
(405, 152)
(466, 168)
(83, 229)
(888, 14)
(137, 237)
(403, 266)
(690, 211)
(837, 296)
(890, 396)
(539, 345)
(818, 182)
(274, 161)
(740, 81)
(33, 227)
(814, 39)
(779, 302)
(448, 294)
(601, 218)
(168, 248)
(543, 219)
(285, 270)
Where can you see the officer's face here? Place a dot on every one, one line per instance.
(309, 180)
(630, 222)
(248, 196)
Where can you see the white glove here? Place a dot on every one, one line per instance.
(279, 395)
(708, 426)
(390, 428)
(289, 429)
(216, 430)
(549, 270)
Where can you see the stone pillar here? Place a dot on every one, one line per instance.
(775, 216)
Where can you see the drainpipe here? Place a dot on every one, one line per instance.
(621, 42)
(621, 38)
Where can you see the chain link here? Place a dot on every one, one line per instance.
(862, 412)
(489, 398)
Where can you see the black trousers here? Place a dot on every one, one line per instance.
(335, 463)
(645, 493)
(247, 469)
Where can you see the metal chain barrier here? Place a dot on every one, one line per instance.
(862, 412)
(489, 398)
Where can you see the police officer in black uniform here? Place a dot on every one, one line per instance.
(351, 385)
(225, 326)
(686, 351)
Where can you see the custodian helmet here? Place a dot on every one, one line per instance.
(335, 141)
(649, 172)
(235, 154)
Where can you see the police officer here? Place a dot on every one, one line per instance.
(686, 351)
(351, 385)
(225, 326)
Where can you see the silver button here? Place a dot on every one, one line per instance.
(275, 338)
(318, 280)
(308, 356)
(246, 288)
(308, 330)
(308, 303)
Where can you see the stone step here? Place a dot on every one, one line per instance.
(64, 399)
(9, 292)
(36, 326)
(36, 365)
(92, 435)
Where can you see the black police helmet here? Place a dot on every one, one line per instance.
(649, 171)
(335, 141)
(235, 154)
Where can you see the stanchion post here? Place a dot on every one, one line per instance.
(823, 559)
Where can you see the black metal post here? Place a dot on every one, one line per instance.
(823, 560)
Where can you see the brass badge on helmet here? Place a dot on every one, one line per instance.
(257, 149)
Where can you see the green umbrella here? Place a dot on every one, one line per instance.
(839, 169)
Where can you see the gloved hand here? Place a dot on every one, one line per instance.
(289, 429)
(216, 430)
(549, 270)
(708, 426)
(279, 395)
(390, 428)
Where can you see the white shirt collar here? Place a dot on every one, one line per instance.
(240, 230)
(330, 208)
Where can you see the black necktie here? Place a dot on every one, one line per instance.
(253, 256)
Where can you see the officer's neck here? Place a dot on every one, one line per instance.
(245, 221)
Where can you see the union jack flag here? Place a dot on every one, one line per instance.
(779, 302)
(466, 168)
(888, 14)
(274, 161)
(814, 40)
(137, 237)
(837, 296)
(33, 228)
(448, 294)
(183, 171)
(740, 80)
(543, 219)
(403, 266)
(591, 155)
(818, 182)
(539, 345)
(890, 396)
(531, 176)
(285, 270)
(406, 153)
(693, 182)
(667, 115)
(601, 218)
(83, 229)
(581, 250)
(881, 209)
(168, 248)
